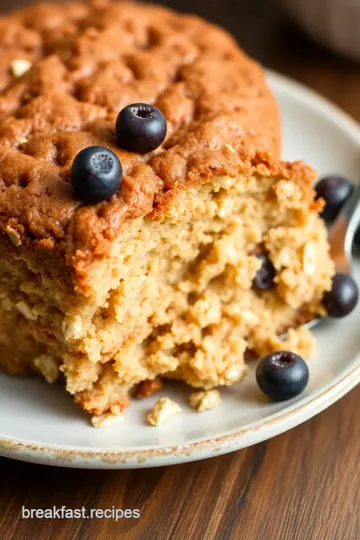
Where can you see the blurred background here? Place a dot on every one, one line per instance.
(314, 41)
(270, 29)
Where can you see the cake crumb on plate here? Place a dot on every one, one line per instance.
(163, 409)
(205, 400)
(106, 420)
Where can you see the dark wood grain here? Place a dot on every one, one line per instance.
(301, 485)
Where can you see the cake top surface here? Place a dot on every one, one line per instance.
(65, 73)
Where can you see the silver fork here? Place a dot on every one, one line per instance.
(341, 238)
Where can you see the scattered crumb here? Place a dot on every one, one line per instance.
(14, 236)
(25, 310)
(23, 140)
(148, 388)
(205, 400)
(163, 409)
(20, 66)
(106, 420)
(47, 367)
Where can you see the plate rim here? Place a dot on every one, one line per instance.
(248, 434)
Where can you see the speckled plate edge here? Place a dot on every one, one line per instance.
(249, 434)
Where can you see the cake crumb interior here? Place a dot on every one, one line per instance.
(175, 298)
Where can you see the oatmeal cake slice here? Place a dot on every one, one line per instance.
(211, 246)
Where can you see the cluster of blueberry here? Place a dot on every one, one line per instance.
(283, 375)
(343, 297)
(96, 172)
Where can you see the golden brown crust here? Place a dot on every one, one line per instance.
(89, 61)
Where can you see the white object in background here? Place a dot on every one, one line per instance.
(333, 23)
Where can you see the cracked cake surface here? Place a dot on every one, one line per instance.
(157, 281)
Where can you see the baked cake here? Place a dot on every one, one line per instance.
(210, 249)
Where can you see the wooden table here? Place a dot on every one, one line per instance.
(301, 485)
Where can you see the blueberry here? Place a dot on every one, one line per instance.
(140, 128)
(96, 174)
(282, 375)
(264, 278)
(343, 297)
(335, 190)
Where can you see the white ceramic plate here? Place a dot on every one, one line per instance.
(40, 424)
